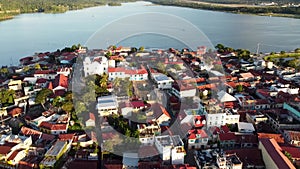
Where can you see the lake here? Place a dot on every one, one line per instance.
(29, 33)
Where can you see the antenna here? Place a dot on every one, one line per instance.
(257, 50)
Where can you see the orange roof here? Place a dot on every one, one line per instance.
(117, 69)
(159, 110)
(60, 80)
(65, 137)
(29, 131)
(51, 126)
(193, 133)
(15, 111)
(50, 86)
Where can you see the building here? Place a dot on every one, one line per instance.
(245, 127)
(133, 74)
(280, 119)
(170, 148)
(147, 132)
(90, 122)
(45, 74)
(95, 65)
(273, 156)
(215, 119)
(197, 139)
(107, 105)
(181, 89)
(292, 137)
(250, 157)
(158, 114)
(130, 161)
(229, 161)
(162, 81)
(55, 153)
(53, 128)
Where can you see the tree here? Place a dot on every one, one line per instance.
(26, 68)
(57, 101)
(161, 67)
(68, 106)
(282, 52)
(37, 66)
(133, 50)
(42, 95)
(239, 88)
(288, 155)
(297, 50)
(243, 54)
(7, 96)
(177, 67)
(4, 71)
(219, 46)
(108, 54)
(142, 48)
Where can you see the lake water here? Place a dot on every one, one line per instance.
(30, 33)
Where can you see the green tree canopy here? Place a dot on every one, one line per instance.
(42, 96)
(7, 96)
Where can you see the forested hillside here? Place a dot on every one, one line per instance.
(9, 8)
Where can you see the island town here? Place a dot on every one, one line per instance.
(127, 107)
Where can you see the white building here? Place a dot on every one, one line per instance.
(107, 105)
(170, 148)
(133, 74)
(147, 132)
(197, 139)
(162, 81)
(95, 65)
(245, 127)
(114, 73)
(215, 119)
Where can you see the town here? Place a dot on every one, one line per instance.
(128, 107)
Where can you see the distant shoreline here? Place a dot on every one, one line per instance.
(273, 11)
(230, 8)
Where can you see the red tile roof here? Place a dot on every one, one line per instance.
(5, 149)
(28, 131)
(53, 126)
(275, 153)
(60, 80)
(137, 104)
(294, 151)
(159, 110)
(227, 136)
(193, 134)
(50, 86)
(15, 111)
(278, 137)
(65, 137)
(225, 129)
(44, 72)
(118, 69)
(199, 121)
